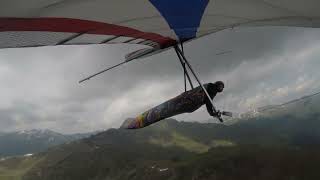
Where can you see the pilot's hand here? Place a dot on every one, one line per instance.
(213, 114)
(218, 115)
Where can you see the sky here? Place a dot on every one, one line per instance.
(264, 66)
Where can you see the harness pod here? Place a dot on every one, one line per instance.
(186, 102)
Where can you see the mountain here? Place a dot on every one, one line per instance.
(280, 142)
(33, 141)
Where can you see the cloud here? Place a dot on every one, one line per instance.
(274, 81)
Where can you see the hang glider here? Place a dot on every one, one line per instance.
(157, 24)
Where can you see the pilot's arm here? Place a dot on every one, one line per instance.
(212, 92)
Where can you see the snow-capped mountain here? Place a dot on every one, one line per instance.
(39, 133)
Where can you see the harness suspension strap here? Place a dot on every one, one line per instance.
(178, 51)
(185, 71)
(184, 77)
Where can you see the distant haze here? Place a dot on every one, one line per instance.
(261, 66)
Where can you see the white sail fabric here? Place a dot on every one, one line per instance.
(155, 23)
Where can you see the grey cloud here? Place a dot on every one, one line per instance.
(21, 116)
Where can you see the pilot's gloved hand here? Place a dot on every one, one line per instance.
(216, 114)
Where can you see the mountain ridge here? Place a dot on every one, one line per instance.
(19, 143)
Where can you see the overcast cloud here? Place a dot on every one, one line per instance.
(39, 86)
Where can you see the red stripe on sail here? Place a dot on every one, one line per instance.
(79, 26)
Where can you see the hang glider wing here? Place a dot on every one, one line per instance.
(155, 23)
